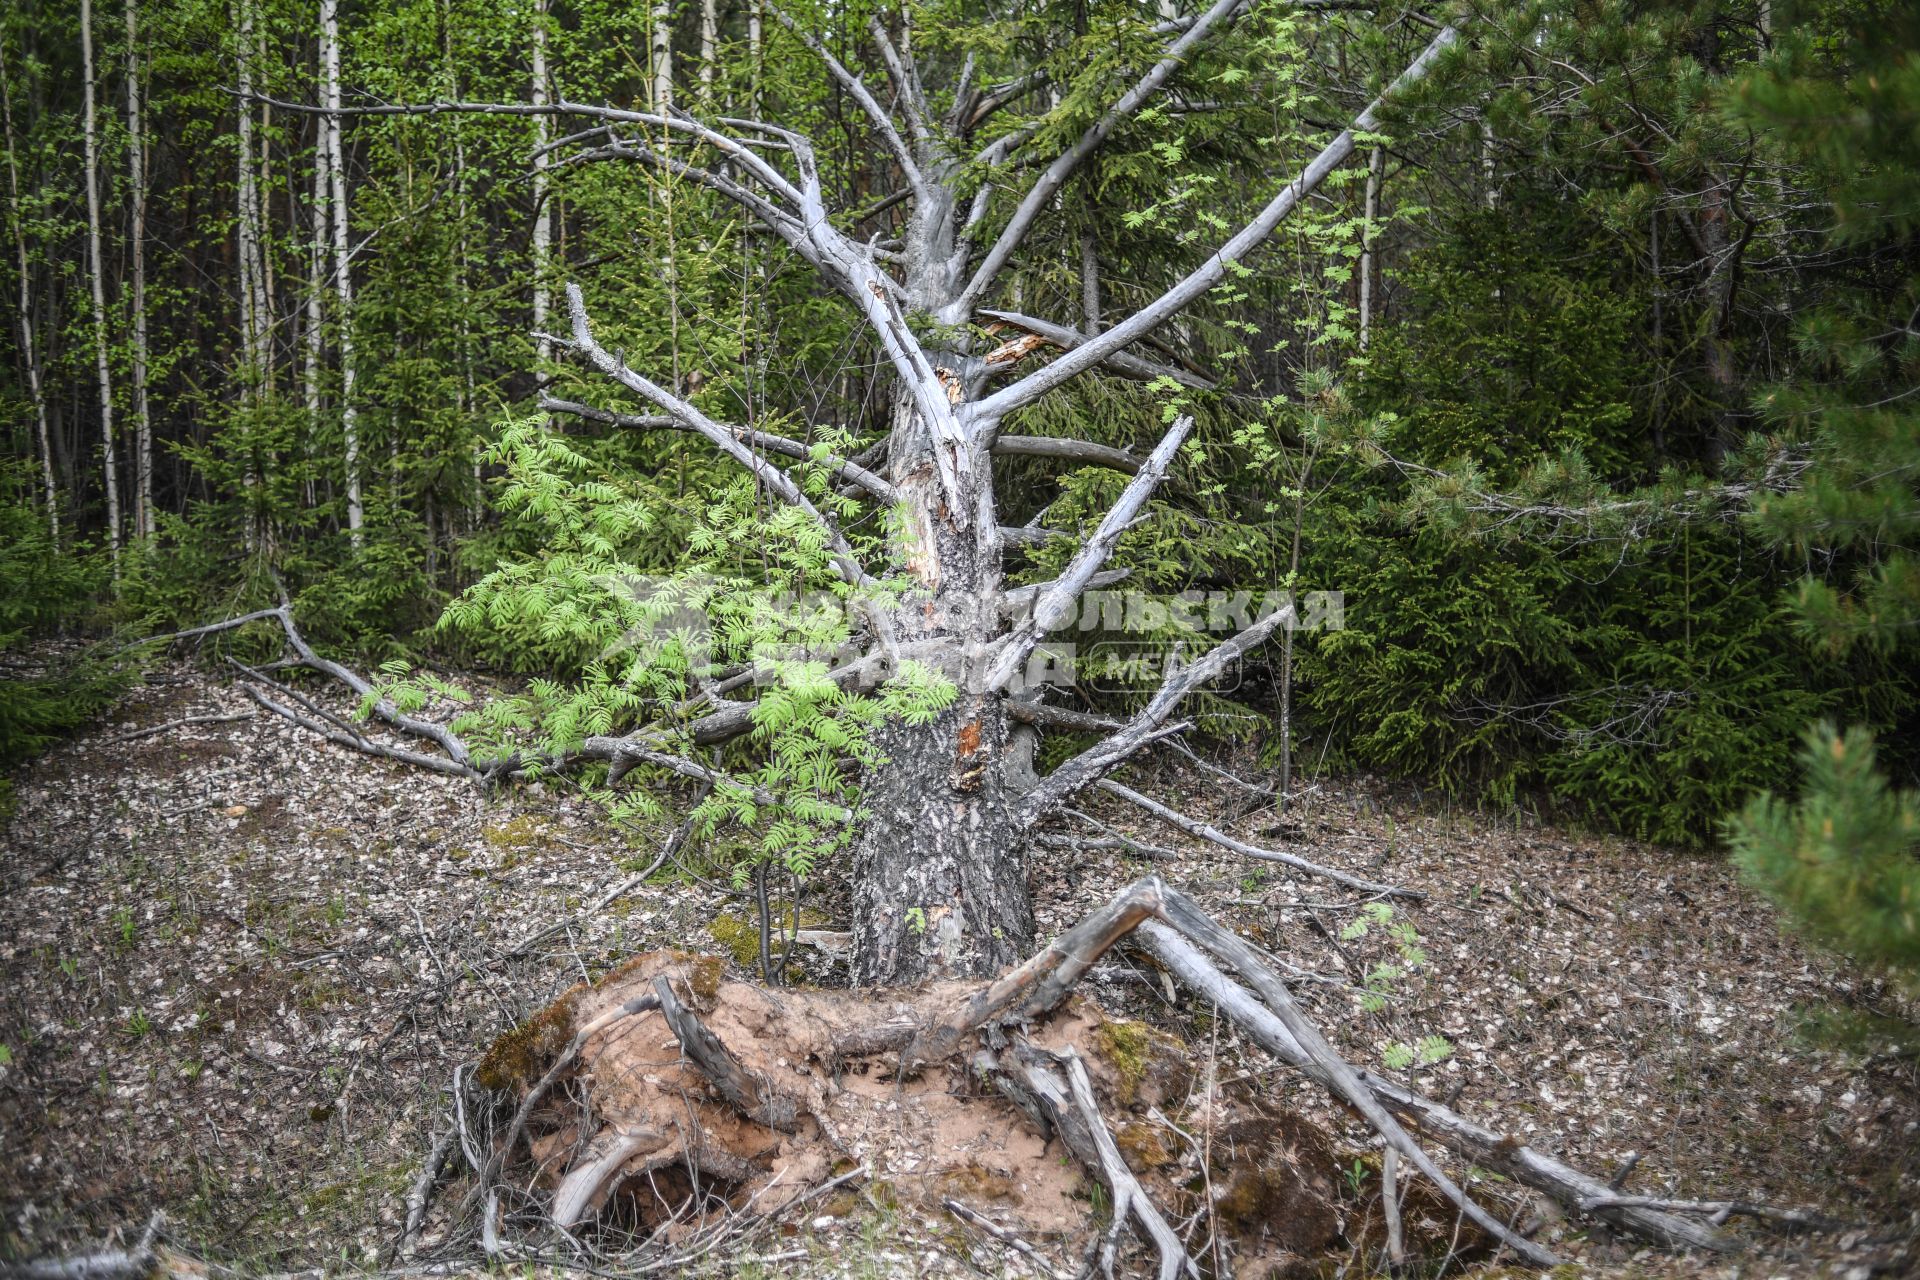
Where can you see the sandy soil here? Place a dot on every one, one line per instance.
(238, 967)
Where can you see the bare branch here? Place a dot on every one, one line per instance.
(764, 441)
(1041, 194)
(1471, 1141)
(1016, 599)
(1215, 268)
(775, 480)
(1056, 447)
(1193, 827)
(1030, 535)
(1119, 361)
(1324, 1064)
(677, 122)
(1145, 727)
(906, 81)
(1052, 606)
(1718, 1211)
(776, 220)
(864, 97)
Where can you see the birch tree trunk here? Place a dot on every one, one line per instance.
(756, 54)
(709, 46)
(247, 234)
(542, 204)
(1376, 166)
(316, 287)
(137, 267)
(110, 458)
(336, 163)
(662, 55)
(29, 352)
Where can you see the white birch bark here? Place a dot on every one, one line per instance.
(29, 352)
(342, 261)
(709, 46)
(1376, 166)
(262, 243)
(316, 287)
(542, 201)
(662, 55)
(246, 232)
(110, 457)
(137, 267)
(756, 55)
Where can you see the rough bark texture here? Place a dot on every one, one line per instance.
(940, 884)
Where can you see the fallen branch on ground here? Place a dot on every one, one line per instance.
(1194, 827)
(181, 723)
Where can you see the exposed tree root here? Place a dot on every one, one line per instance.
(664, 1099)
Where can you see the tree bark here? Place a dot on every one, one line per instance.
(709, 46)
(939, 868)
(316, 295)
(110, 457)
(29, 352)
(137, 267)
(247, 231)
(542, 204)
(662, 55)
(1376, 165)
(336, 162)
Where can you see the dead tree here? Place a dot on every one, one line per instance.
(941, 913)
(938, 868)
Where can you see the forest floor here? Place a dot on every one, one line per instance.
(239, 966)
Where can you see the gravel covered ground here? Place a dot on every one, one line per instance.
(238, 966)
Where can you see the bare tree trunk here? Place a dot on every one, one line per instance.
(336, 162)
(137, 253)
(1089, 284)
(1376, 166)
(939, 869)
(1489, 171)
(316, 287)
(29, 352)
(262, 219)
(756, 54)
(542, 204)
(662, 58)
(709, 46)
(110, 460)
(247, 231)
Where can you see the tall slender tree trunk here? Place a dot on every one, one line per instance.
(137, 268)
(1089, 283)
(29, 352)
(662, 54)
(1376, 167)
(316, 303)
(262, 216)
(247, 235)
(756, 55)
(110, 457)
(542, 202)
(709, 46)
(336, 162)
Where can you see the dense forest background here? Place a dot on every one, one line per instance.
(1591, 388)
